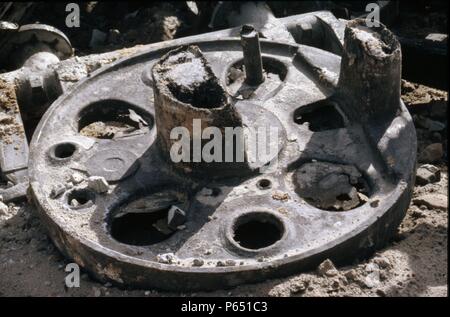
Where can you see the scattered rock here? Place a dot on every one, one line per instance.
(380, 292)
(327, 268)
(230, 263)
(335, 284)
(175, 217)
(432, 153)
(76, 178)
(166, 258)
(374, 203)
(432, 201)
(351, 275)
(74, 203)
(98, 184)
(427, 174)
(113, 36)
(57, 191)
(3, 209)
(278, 195)
(437, 37)
(371, 267)
(161, 226)
(418, 213)
(299, 286)
(198, 262)
(372, 280)
(363, 197)
(192, 6)
(407, 86)
(6, 119)
(331, 186)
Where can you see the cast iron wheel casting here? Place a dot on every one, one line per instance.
(340, 186)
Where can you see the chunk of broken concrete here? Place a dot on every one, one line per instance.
(327, 268)
(98, 184)
(427, 173)
(372, 279)
(432, 201)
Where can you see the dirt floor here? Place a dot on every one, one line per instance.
(414, 263)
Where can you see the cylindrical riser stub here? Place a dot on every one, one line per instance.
(252, 56)
(370, 75)
(188, 95)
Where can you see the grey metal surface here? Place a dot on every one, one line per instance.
(377, 140)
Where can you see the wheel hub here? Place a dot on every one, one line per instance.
(337, 186)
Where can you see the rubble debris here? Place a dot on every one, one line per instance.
(114, 120)
(279, 195)
(372, 280)
(331, 186)
(299, 285)
(14, 192)
(427, 173)
(57, 191)
(383, 262)
(98, 184)
(424, 100)
(432, 201)
(327, 268)
(113, 36)
(175, 217)
(76, 178)
(198, 262)
(166, 258)
(3, 208)
(432, 153)
(437, 37)
(192, 6)
(106, 130)
(161, 226)
(149, 204)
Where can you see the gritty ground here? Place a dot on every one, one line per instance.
(414, 263)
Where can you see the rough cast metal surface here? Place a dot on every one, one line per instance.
(114, 203)
(26, 94)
